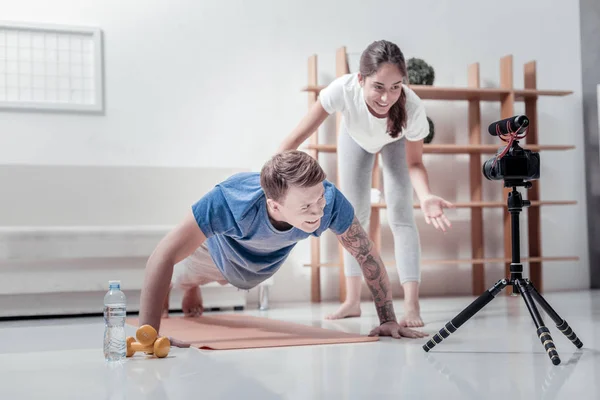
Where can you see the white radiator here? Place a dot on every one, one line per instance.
(65, 231)
(40, 266)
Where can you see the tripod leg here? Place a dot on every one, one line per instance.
(561, 324)
(542, 331)
(465, 314)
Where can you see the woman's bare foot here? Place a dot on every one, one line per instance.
(346, 310)
(191, 304)
(412, 316)
(412, 310)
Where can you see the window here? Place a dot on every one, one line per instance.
(50, 67)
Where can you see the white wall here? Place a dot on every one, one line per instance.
(217, 84)
(598, 100)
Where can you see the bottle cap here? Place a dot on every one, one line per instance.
(114, 284)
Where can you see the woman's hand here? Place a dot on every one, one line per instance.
(433, 209)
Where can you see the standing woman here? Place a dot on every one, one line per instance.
(378, 113)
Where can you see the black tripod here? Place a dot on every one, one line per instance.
(520, 285)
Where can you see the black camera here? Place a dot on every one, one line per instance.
(516, 163)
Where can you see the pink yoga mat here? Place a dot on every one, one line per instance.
(235, 331)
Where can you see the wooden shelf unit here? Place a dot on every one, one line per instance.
(507, 95)
(460, 94)
(492, 204)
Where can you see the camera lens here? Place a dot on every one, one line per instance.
(490, 171)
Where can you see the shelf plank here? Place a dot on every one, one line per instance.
(455, 148)
(313, 88)
(466, 261)
(526, 94)
(493, 204)
(447, 93)
(427, 92)
(499, 260)
(485, 148)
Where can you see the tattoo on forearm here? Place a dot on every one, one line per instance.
(376, 294)
(357, 242)
(386, 312)
(384, 287)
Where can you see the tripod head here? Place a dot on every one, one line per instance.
(514, 201)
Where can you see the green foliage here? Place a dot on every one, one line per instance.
(419, 72)
(429, 137)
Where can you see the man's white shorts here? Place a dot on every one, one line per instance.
(197, 269)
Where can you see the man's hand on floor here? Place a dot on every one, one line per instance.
(396, 331)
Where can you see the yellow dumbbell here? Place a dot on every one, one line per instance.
(148, 342)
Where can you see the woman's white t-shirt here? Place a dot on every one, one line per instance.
(345, 95)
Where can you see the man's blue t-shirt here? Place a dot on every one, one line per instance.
(243, 243)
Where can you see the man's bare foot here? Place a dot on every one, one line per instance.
(412, 316)
(346, 310)
(191, 304)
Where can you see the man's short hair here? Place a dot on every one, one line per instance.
(289, 168)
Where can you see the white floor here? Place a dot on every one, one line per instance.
(495, 355)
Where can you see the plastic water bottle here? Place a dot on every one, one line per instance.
(115, 309)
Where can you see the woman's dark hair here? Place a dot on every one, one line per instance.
(378, 53)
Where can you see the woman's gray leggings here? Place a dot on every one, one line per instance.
(355, 171)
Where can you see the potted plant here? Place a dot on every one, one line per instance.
(421, 73)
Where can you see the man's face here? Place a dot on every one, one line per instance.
(302, 207)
